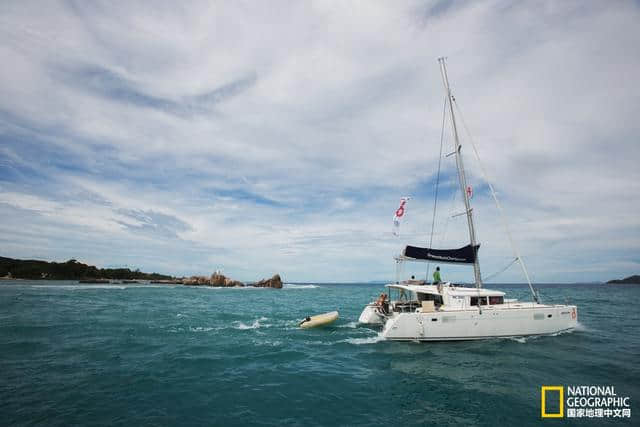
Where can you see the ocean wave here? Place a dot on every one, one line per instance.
(255, 325)
(367, 340)
(292, 286)
(351, 325)
(275, 343)
(80, 287)
(568, 331)
(581, 328)
(321, 342)
(523, 340)
(180, 329)
(202, 329)
(153, 286)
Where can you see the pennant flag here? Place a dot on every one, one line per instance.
(399, 214)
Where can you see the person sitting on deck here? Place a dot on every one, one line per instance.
(383, 303)
(436, 276)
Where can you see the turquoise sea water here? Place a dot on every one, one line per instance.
(160, 355)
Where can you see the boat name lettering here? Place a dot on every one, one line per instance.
(445, 258)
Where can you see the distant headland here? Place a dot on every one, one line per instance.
(70, 270)
(73, 270)
(631, 280)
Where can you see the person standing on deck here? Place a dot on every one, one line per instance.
(436, 276)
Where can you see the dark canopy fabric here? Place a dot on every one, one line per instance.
(465, 255)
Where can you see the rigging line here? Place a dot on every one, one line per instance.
(491, 276)
(452, 202)
(536, 297)
(435, 199)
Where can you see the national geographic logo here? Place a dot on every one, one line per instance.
(584, 401)
(543, 401)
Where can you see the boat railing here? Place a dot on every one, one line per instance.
(405, 306)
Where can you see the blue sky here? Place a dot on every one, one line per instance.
(264, 137)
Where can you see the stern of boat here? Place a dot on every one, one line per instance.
(371, 316)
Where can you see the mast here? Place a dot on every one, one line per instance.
(461, 176)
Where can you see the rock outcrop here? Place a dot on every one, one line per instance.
(220, 280)
(274, 282)
(232, 283)
(216, 279)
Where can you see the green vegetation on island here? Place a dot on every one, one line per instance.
(73, 270)
(70, 270)
(631, 280)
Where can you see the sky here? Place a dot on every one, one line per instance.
(278, 137)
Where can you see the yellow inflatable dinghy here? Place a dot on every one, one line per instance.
(319, 320)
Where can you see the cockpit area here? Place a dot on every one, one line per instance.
(408, 297)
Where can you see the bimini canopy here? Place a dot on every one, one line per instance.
(465, 255)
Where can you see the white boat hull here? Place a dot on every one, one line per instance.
(371, 316)
(471, 325)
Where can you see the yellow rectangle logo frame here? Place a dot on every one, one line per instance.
(543, 409)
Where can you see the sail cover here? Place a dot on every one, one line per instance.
(465, 255)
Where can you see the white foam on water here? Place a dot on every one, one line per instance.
(269, 343)
(152, 286)
(255, 325)
(351, 325)
(292, 286)
(523, 340)
(368, 340)
(581, 328)
(80, 287)
(202, 329)
(321, 342)
(569, 331)
(179, 329)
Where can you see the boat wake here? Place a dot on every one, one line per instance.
(367, 340)
(580, 328)
(255, 325)
(523, 340)
(351, 325)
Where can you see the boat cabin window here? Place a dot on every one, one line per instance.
(496, 300)
(474, 300)
(437, 299)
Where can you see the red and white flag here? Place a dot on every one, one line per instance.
(399, 214)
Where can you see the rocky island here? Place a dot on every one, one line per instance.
(631, 280)
(219, 280)
(73, 270)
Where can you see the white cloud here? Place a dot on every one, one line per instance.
(279, 136)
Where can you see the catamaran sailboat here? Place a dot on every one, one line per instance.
(419, 311)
